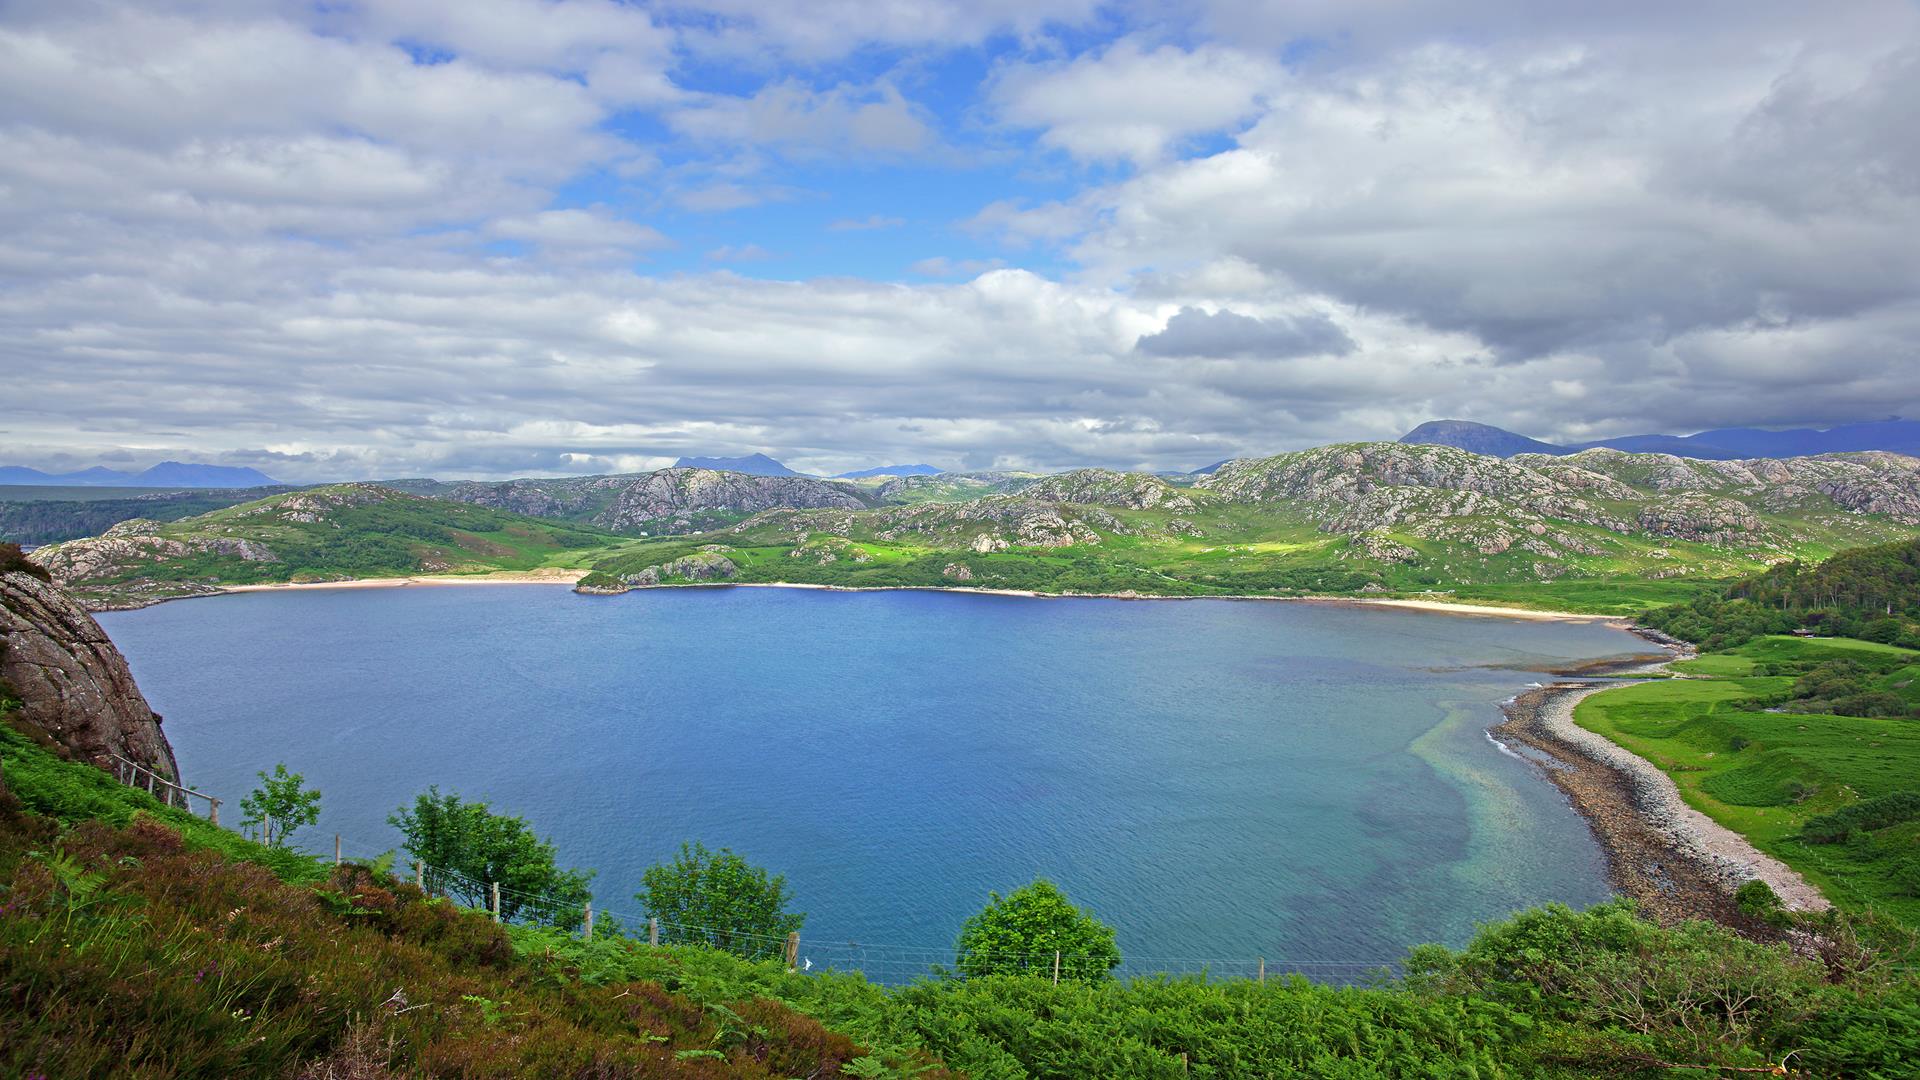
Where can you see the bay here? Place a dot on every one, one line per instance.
(1221, 781)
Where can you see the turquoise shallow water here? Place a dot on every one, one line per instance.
(1217, 779)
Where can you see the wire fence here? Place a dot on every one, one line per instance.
(879, 962)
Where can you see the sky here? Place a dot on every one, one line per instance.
(486, 238)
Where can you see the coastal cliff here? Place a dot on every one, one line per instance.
(72, 686)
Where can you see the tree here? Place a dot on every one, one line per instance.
(280, 805)
(1024, 930)
(473, 847)
(719, 899)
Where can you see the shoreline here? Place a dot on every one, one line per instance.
(558, 576)
(1677, 862)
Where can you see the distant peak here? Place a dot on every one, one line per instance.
(751, 464)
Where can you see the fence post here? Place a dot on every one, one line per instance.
(496, 900)
(419, 875)
(336, 849)
(149, 781)
(1056, 967)
(589, 922)
(653, 931)
(793, 950)
(213, 811)
(1263, 971)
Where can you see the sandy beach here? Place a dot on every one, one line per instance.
(550, 576)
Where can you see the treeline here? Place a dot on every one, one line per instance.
(1872, 593)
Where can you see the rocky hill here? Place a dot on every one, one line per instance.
(675, 500)
(319, 534)
(71, 686)
(1387, 516)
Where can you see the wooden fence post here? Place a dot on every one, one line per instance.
(589, 922)
(1056, 967)
(420, 875)
(1263, 971)
(496, 901)
(149, 781)
(793, 950)
(213, 811)
(653, 931)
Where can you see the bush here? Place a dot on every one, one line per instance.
(1030, 931)
(480, 847)
(718, 899)
(1839, 826)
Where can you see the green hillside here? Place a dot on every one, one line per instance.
(320, 534)
(1600, 531)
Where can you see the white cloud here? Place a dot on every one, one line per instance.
(1132, 102)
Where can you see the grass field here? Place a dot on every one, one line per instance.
(1763, 773)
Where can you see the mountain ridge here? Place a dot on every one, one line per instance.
(1722, 444)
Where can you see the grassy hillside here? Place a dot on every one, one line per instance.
(140, 942)
(1598, 531)
(1737, 753)
(1602, 531)
(320, 534)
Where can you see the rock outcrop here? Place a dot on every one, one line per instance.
(673, 498)
(74, 686)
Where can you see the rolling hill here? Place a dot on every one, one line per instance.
(331, 533)
(1722, 444)
(1600, 530)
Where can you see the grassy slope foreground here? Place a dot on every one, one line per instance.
(1600, 531)
(320, 534)
(138, 941)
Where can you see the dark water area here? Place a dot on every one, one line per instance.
(1309, 783)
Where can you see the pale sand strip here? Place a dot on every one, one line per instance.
(551, 576)
(1693, 834)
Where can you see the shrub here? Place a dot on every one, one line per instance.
(1839, 826)
(478, 847)
(717, 898)
(1031, 929)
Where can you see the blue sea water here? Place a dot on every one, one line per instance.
(1219, 780)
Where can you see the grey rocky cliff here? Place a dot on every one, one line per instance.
(668, 496)
(74, 684)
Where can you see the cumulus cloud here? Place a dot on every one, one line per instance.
(1228, 334)
(378, 239)
(1132, 102)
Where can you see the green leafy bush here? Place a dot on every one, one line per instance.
(1036, 930)
(1839, 826)
(718, 899)
(479, 848)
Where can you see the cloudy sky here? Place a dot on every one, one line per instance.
(509, 237)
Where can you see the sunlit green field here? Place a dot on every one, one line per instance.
(1765, 773)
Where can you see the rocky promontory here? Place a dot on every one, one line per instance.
(72, 685)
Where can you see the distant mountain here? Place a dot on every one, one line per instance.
(181, 474)
(167, 474)
(1478, 439)
(1723, 444)
(1209, 470)
(891, 470)
(752, 465)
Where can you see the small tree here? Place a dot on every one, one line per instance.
(481, 847)
(280, 805)
(1022, 931)
(717, 898)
